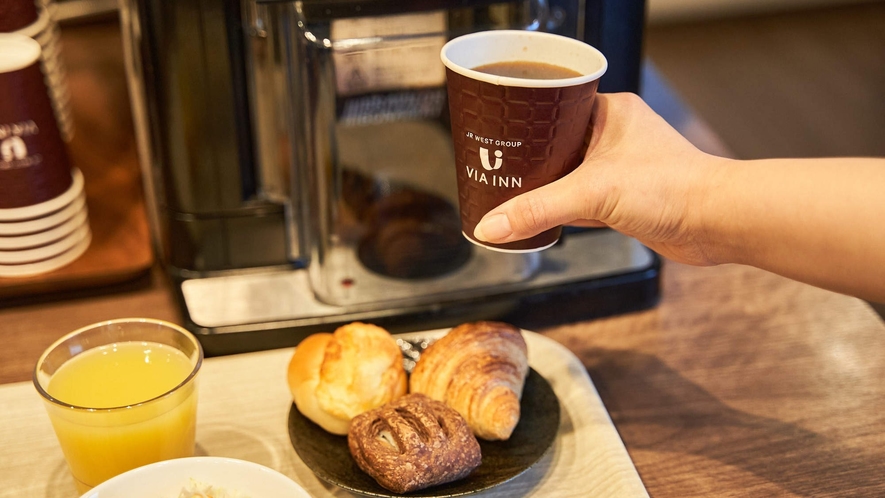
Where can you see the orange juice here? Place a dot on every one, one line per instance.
(126, 410)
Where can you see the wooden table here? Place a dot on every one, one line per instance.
(739, 383)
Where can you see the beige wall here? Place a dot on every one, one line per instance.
(673, 10)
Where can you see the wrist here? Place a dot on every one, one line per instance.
(715, 220)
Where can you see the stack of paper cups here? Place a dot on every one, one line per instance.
(35, 20)
(43, 218)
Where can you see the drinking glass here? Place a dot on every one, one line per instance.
(101, 441)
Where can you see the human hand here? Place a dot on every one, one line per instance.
(639, 177)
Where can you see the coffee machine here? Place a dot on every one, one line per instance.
(299, 169)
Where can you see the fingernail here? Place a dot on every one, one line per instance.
(492, 228)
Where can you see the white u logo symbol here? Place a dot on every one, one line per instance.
(13, 148)
(484, 157)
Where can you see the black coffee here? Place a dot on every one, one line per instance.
(528, 70)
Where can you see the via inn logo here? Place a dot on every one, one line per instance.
(492, 179)
(13, 148)
(14, 154)
(484, 158)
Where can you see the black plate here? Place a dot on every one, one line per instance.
(328, 456)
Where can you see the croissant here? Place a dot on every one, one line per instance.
(479, 370)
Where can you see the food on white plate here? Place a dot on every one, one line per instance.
(200, 490)
(335, 377)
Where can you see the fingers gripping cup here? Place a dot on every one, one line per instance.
(121, 394)
(520, 104)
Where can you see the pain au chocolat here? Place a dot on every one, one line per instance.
(413, 443)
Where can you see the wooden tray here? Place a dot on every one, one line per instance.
(120, 248)
(244, 402)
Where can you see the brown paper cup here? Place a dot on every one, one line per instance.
(512, 135)
(17, 14)
(34, 165)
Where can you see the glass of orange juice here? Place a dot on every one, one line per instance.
(121, 394)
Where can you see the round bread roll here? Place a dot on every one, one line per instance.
(335, 377)
(304, 376)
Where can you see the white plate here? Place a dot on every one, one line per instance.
(167, 479)
(46, 207)
(49, 264)
(48, 251)
(35, 240)
(41, 224)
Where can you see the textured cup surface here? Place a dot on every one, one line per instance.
(34, 165)
(514, 135)
(17, 14)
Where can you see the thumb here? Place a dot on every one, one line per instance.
(529, 214)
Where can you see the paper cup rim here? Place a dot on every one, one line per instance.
(521, 82)
(510, 251)
(46, 207)
(51, 33)
(37, 26)
(48, 251)
(48, 265)
(18, 228)
(36, 240)
(23, 52)
(49, 41)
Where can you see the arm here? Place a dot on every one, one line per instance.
(821, 221)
